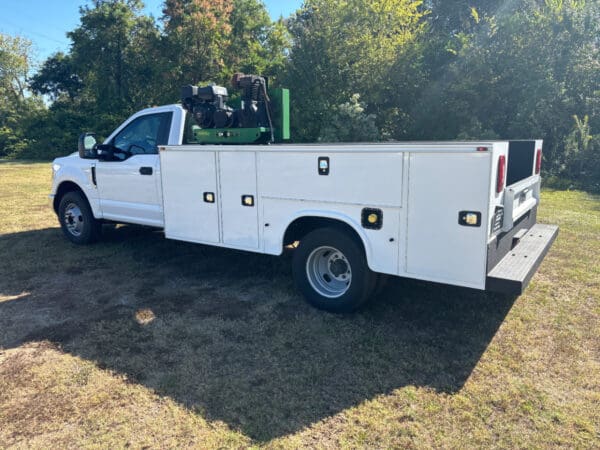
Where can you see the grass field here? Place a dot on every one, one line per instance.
(138, 342)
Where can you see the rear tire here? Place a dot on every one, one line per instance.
(331, 271)
(381, 284)
(77, 220)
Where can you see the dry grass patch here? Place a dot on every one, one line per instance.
(57, 400)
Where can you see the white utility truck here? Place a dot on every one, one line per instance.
(459, 213)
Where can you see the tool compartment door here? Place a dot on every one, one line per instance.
(186, 177)
(237, 179)
(439, 248)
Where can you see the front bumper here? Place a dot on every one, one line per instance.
(512, 273)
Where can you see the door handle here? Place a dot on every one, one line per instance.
(146, 170)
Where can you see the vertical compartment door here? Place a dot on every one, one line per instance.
(439, 247)
(188, 179)
(238, 183)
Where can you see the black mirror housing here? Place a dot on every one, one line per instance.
(87, 146)
(105, 152)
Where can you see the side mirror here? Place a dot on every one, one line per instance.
(105, 152)
(87, 146)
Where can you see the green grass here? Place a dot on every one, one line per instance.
(140, 341)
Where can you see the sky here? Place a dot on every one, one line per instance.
(46, 22)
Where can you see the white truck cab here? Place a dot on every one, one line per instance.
(460, 213)
(127, 188)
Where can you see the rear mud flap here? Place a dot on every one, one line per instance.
(513, 273)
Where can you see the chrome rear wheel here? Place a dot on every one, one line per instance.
(329, 272)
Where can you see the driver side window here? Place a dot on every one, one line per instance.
(144, 134)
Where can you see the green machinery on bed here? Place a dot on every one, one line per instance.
(261, 117)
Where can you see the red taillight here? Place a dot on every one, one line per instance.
(538, 161)
(501, 173)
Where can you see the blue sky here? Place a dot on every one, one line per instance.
(45, 22)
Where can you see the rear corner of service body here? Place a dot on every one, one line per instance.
(516, 244)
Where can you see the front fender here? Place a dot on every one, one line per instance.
(71, 171)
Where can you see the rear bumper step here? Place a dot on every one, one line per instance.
(513, 273)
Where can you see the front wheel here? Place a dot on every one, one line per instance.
(330, 269)
(77, 220)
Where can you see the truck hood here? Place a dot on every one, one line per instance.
(72, 159)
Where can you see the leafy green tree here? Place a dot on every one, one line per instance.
(108, 54)
(257, 44)
(209, 40)
(112, 70)
(57, 77)
(14, 66)
(582, 154)
(197, 35)
(16, 107)
(350, 123)
(343, 48)
(453, 17)
(519, 76)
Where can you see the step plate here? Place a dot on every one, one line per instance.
(513, 273)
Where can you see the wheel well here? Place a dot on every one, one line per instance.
(304, 225)
(63, 188)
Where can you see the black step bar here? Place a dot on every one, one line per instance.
(513, 273)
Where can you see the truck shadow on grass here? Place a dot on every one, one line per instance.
(226, 334)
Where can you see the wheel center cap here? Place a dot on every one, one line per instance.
(338, 267)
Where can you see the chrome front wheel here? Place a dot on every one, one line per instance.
(77, 220)
(73, 219)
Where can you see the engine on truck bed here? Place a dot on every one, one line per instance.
(261, 117)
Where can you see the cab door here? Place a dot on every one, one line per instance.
(128, 180)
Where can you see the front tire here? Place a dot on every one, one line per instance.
(77, 220)
(331, 271)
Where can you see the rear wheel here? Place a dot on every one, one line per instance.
(381, 284)
(77, 220)
(330, 269)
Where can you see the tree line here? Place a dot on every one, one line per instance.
(358, 70)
